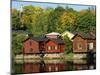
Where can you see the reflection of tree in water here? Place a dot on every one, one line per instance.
(68, 66)
(17, 69)
(90, 60)
(42, 53)
(42, 66)
(85, 64)
(42, 63)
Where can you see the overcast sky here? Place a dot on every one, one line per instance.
(17, 5)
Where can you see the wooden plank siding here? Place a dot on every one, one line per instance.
(52, 45)
(30, 46)
(84, 43)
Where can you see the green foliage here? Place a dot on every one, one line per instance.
(15, 19)
(86, 22)
(17, 39)
(38, 21)
(68, 45)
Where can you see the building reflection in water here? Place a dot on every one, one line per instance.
(49, 66)
(83, 65)
(42, 67)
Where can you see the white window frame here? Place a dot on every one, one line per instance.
(56, 47)
(91, 45)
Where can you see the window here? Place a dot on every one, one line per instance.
(56, 48)
(79, 46)
(31, 50)
(23, 48)
(49, 47)
(90, 45)
(30, 43)
(52, 47)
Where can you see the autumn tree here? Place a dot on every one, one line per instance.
(15, 19)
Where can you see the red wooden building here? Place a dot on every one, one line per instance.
(31, 45)
(44, 44)
(55, 45)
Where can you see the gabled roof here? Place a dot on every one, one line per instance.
(58, 40)
(32, 38)
(68, 34)
(85, 36)
(38, 39)
(43, 38)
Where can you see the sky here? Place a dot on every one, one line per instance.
(18, 4)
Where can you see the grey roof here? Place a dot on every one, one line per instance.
(33, 38)
(85, 36)
(59, 41)
(43, 38)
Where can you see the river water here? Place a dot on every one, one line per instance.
(55, 65)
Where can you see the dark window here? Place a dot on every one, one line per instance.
(79, 46)
(23, 48)
(31, 50)
(53, 47)
(30, 42)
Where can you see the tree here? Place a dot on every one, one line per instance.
(68, 45)
(33, 19)
(39, 21)
(86, 22)
(15, 19)
(67, 20)
(53, 18)
(17, 39)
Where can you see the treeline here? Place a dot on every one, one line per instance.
(39, 21)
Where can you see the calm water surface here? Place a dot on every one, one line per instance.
(41, 66)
